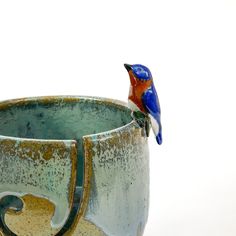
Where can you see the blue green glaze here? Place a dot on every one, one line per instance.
(119, 195)
(111, 197)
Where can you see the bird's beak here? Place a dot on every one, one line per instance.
(128, 67)
(131, 76)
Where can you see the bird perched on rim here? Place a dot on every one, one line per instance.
(143, 97)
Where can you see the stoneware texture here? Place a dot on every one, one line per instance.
(72, 166)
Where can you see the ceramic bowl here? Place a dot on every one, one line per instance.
(72, 165)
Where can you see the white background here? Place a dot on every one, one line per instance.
(79, 47)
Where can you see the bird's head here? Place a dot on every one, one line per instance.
(138, 73)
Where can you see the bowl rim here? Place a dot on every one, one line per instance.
(5, 104)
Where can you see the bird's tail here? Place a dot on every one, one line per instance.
(157, 128)
(159, 138)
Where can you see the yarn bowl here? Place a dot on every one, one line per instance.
(72, 165)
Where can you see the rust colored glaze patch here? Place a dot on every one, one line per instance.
(34, 150)
(34, 219)
(86, 228)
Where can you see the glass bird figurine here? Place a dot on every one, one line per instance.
(143, 99)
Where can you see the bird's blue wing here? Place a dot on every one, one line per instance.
(151, 102)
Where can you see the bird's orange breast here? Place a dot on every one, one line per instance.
(136, 93)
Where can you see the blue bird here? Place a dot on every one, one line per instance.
(143, 96)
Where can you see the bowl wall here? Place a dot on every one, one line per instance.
(72, 166)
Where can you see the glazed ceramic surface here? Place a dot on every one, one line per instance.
(72, 166)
